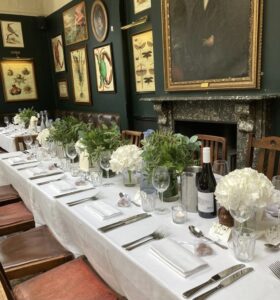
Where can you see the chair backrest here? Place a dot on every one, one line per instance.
(5, 287)
(19, 142)
(134, 137)
(266, 151)
(217, 144)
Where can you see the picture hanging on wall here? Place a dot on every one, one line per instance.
(140, 5)
(104, 69)
(80, 78)
(12, 34)
(58, 54)
(18, 79)
(143, 56)
(75, 24)
(99, 20)
(63, 89)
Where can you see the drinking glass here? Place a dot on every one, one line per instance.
(71, 151)
(276, 182)
(104, 161)
(161, 181)
(28, 140)
(6, 120)
(220, 167)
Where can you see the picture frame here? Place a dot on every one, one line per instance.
(58, 54)
(75, 24)
(12, 34)
(143, 58)
(99, 20)
(104, 69)
(80, 75)
(212, 47)
(18, 78)
(141, 5)
(62, 87)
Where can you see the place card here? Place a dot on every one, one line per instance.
(220, 232)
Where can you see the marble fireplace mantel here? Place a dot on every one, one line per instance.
(251, 113)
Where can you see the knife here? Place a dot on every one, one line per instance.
(45, 175)
(76, 202)
(23, 163)
(49, 181)
(74, 192)
(124, 222)
(25, 168)
(214, 278)
(224, 283)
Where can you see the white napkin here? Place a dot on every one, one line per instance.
(36, 171)
(177, 257)
(103, 210)
(62, 186)
(17, 160)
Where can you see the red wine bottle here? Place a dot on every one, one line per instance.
(206, 185)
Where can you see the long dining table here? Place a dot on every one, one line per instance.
(136, 274)
(7, 138)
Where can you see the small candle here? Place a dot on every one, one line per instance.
(179, 214)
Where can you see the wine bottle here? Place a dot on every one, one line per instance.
(46, 119)
(42, 126)
(206, 185)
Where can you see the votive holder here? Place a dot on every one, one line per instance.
(179, 214)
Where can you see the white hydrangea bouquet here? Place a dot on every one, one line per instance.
(17, 120)
(42, 137)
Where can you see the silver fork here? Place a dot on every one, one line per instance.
(275, 268)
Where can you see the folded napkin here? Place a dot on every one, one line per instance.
(36, 171)
(17, 160)
(177, 257)
(63, 186)
(103, 210)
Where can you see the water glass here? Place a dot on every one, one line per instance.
(74, 169)
(95, 177)
(179, 214)
(148, 199)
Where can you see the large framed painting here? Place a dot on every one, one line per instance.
(80, 76)
(99, 20)
(18, 77)
(63, 89)
(104, 69)
(143, 58)
(212, 44)
(75, 24)
(12, 34)
(58, 54)
(140, 5)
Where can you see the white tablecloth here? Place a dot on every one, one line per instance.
(7, 138)
(137, 274)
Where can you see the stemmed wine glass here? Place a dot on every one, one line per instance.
(28, 140)
(6, 120)
(104, 161)
(161, 181)
(71, 152)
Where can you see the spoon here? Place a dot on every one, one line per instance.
(198, 233)
(273, 246)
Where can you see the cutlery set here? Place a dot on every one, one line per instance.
(76, 202)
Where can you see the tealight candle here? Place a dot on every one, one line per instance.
(179, 214)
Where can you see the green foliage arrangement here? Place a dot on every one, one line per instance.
(26, 114)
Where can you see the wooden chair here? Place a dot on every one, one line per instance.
(74, 280)
(266, 151)
(134, 137)
(217, 144)
(19, 142)
(8, 195)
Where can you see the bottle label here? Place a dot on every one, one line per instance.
(205, 202)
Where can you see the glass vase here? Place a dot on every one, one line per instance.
(129, 178)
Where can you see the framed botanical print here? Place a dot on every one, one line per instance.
(58, 54)
(18, 77)
(104, 69)
(75, 24)
(12, 34)
(99, 20)
(63, 89)
(80, 76)
(143, 57)
(140, 5)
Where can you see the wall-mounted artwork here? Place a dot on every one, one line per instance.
(63, 89)
(12, 34)
(143, 56)
(212, 44)
(80, 78)
(58, 54)
(75, 24)
(104, 69)
(18, 79)
(140, 5)
(99, 20)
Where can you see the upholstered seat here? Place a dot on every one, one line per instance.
(30, 252)
(15, 217)
(8, 195)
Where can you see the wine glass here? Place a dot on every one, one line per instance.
(6, 120)
(161, 181)
(220, 167)
(28, 140)
(71, 152)
(104, 161)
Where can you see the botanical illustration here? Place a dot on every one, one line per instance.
(62, 89)
(12, 34)
(140, 5)
(104, 69)
(58, 54)
(80, 75)
(75, 24)
(99, 20)
(18, 80)
(143, 55)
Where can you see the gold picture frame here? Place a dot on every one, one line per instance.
(141, 5)
(19, 82)
(99, 20)
(58, 54)
(62, 87)
(211, 47)
(12, 34)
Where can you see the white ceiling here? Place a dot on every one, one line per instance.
(31, 7)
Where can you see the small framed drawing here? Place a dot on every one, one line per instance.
(75, 24)
(58, 54)
(143, 58)
(12, 34)
(140, 5)
(99, 20)
(80, 75)
(18, 79)
(63, 89)
(104, 69)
